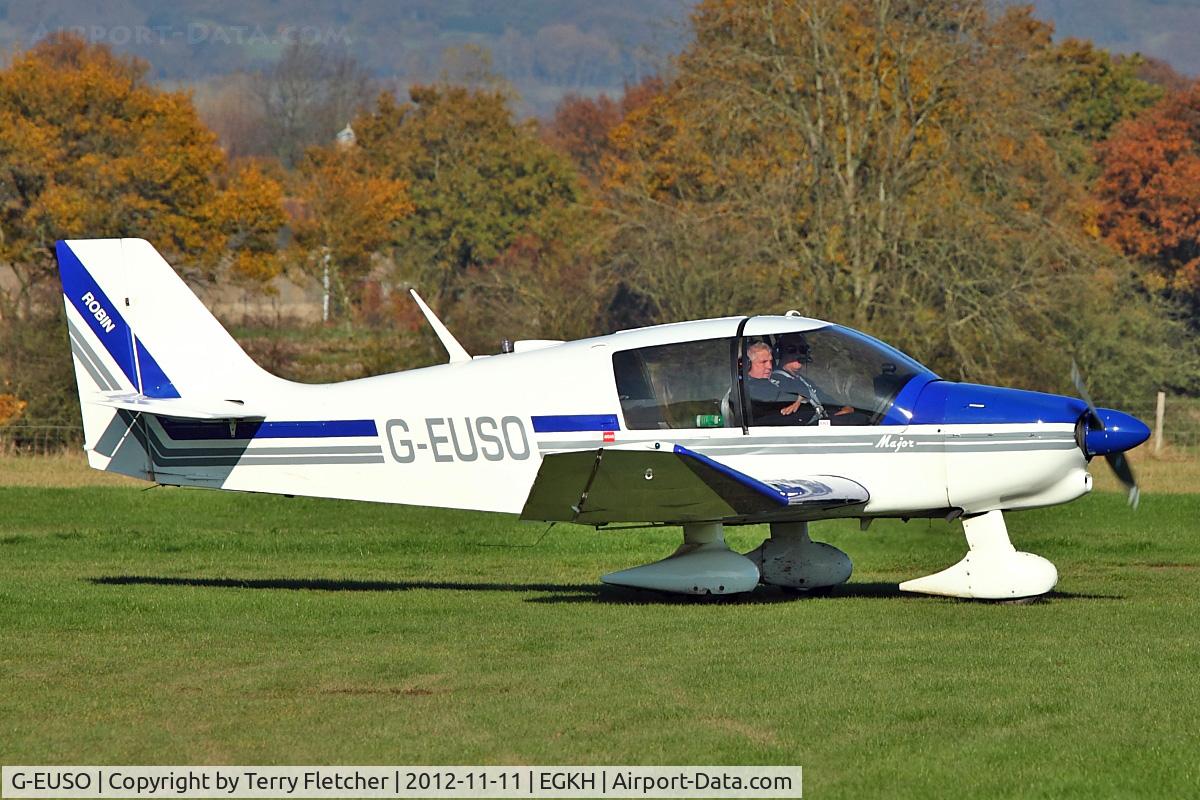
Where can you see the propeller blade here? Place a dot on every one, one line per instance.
(1077, 379)
(1117, 461)
(1124, 472)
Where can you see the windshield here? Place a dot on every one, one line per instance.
(830, 373)
(821, 376)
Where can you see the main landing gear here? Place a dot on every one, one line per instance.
(991, 570)
(704, 564)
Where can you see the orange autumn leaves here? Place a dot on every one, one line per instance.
(89, 149)
(11, 408)
(1149, 191)
(346, 215)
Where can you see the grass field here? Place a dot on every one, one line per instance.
(176, 626)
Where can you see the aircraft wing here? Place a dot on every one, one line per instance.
(670, 483)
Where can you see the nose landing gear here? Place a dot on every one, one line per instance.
(992, 569)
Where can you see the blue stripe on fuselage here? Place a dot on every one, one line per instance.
(566, 423)
(199, 430)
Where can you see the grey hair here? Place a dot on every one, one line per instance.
(757, 346)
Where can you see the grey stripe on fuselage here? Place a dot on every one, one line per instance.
(853, 438)
(829, 449)
(240, 461)
(326, 450)
(232, 456)
(851, 443)
(164, 455)
(820, 450)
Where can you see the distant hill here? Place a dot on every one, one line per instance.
(546, 48)
(1164, 29)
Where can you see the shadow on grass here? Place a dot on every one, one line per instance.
(324, 585)
(763, 595)
(556, 592)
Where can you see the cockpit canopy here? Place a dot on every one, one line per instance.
(817, 375)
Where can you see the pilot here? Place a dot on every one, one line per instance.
(771, 403)
(791, 354)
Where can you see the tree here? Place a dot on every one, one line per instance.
(887, 164)
(1149, 190)
(478, 182)
(249, 214)
(797, 131)
(581, 126)
(11, 408)
(1080, 91)
(580, 130)
(307, 96)
(346, 218)
(89, 149)
(559, 288)
(1094, 91)
(230, 107)
(1160, 73)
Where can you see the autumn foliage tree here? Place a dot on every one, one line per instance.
(582, 126)
(892, 164)
(1149, 190)
(89, 149)
(247, 213)
(346, 218)
(11, 408)
(86, 149)
(793, 132)
(479, 183)
(1078, 92)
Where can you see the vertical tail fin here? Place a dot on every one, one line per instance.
(146, 324)
(141, 337)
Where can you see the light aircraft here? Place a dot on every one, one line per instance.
(659, 425)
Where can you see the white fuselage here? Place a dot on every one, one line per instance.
(464, 436)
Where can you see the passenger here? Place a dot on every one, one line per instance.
(770, 402)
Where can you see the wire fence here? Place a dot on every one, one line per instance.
(1180, 431)
(39, 440)
(1180, 427)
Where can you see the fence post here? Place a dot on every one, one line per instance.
(1160, 407)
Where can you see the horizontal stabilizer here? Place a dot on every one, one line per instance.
(660, 482)
(176, 407)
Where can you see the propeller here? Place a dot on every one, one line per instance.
(1115, 458)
